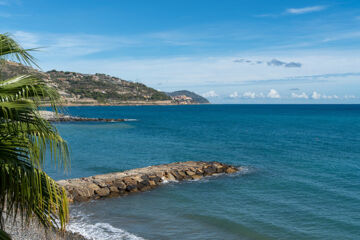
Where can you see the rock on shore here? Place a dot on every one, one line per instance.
(139, 180)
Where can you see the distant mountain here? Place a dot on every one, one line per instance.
(190, 97)
(78, 88)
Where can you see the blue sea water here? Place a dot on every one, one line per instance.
(301, 181)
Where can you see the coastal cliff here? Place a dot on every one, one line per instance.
(140, 179)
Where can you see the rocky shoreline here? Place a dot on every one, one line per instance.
(53, 117)
(140, 179)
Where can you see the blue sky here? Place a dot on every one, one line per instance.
(231, 51)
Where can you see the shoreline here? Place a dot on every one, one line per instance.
(123, 104)
(53, 117)
(36, 231)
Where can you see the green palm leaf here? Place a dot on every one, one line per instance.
(26, 191)
(11, 50)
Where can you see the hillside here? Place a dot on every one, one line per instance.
(77, 88)
(191, 96)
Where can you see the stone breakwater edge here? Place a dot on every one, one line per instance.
(140, 179)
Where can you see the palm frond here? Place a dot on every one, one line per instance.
(30, 192)
(11, 50)
(25, 139)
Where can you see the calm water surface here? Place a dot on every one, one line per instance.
(302, 177)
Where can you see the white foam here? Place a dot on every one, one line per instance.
(165, 180)
(246, 170)
(130, 120)
(98, 231)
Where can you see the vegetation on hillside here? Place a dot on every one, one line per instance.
(103, 87)
(76, 87)
(98, 88)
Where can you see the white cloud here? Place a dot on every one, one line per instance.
(210, 94)
(302, 95)
(249, 95)
(315, 95)
(329, 96)
(234, 95)
(27, 39)
(343, 36)
(305, 9)
(72, 45)
(350, 97)
(273, 94)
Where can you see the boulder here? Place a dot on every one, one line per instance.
(190, 173)
(93, 186)
(152, 183)
(196, 177)
(120, 184)
(170, 177)
(177, 175)
(209, 170)
(114, 189)
(143, 185)
(103, 192)
(131, 188)
(231, 170)
(82, 194)
(100, 183)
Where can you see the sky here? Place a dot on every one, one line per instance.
(230, 51)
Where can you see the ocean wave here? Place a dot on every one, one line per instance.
(98, 231)
(246, 170)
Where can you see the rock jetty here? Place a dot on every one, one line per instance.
(139, 180)
(53, 117)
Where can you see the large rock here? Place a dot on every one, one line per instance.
(103, 192)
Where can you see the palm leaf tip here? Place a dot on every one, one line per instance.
(12, 50)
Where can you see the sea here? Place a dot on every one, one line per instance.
(300, 177)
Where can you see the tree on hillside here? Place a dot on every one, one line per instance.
(26, 191)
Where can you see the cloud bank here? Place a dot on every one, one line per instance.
(210, 94)
(273, 62)
(273, 94)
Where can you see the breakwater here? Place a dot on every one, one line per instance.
(140, 179)
(53, 117)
